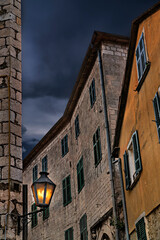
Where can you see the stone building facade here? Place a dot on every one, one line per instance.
(71, 154)
(10, 118)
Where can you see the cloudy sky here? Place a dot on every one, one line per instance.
(55, 38)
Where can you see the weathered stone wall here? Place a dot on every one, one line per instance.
(152, 222)
(10, 115)
(95, 197)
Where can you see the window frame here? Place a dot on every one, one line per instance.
(141, 230)
(66, 188)
(132, 162)
(156, 106)
(97, 147)
(77, 129)
(45, 164)
(35, 173)
(34, 219)
(92, 93)
(64, 145)
(46, 213)
(83, 227)
(80, 175)
(68, 232)
(142, 62)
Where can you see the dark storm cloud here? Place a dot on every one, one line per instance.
(55, 38)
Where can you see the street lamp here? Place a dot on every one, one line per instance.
(43, 189)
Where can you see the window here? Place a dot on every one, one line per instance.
(34, 216)
(141, 232)
(66, 184)
(80, 175)
(64, 145)
(77, 130)
(46, 213)
(35, 173)
(44, 164)
(83, 228)
(141, 58)
(156, 104)
(132, 161)
(92, 93)
(69, 234)
(97, 147)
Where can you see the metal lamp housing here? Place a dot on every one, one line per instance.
(43, 189)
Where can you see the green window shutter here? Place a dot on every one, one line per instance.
(80, 175)
(126, 170)
(83, 228)
(97, 147)
(136, 151)
(93, 91)
(46, 213)
(62, 147)
(66, 185)
(69, 234)
(156, 104)
(34, 216)
(141, 57)
(35, 173)
(141, 231)
(64, 192)
(44, 164)
(77, 131)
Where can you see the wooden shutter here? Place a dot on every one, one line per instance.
(68, 183)
(141, 231)
(35, 173)
(141, 57)
(66, 144)
(156, 104)
(44, 164)
(34, 216)
(99, 145)
(136, 151)
(127, 171)
(62, 147)
(64, 192)
(93, 91)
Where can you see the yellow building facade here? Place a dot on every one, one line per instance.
(138, 128)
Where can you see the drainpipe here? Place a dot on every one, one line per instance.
(123, 200)
(108, 141)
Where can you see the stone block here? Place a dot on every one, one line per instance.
(2, 42)
(4, 116)
(117, 53)
(17, 4)
(19, 76)
(19, 163)
(2, 59)
(3, 93)
(18, 36)
(5, 127)
(4, 72)
(18, 21)
(16, 174)
(16, 84)
(4, 52)
(6, 150)
(19, 97)
(16, 151)
(19, 118)
(16, 64)
(12, 116)
(16, 106)
(13, 94)
(18, 141)
(6, 2)
(1, 152)
(13, 42)
(7, 32)
(13, 25)
(5, 104)
(14, 10)
(12, 51)
(13, 139)
(7, 16)
(16, 129)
